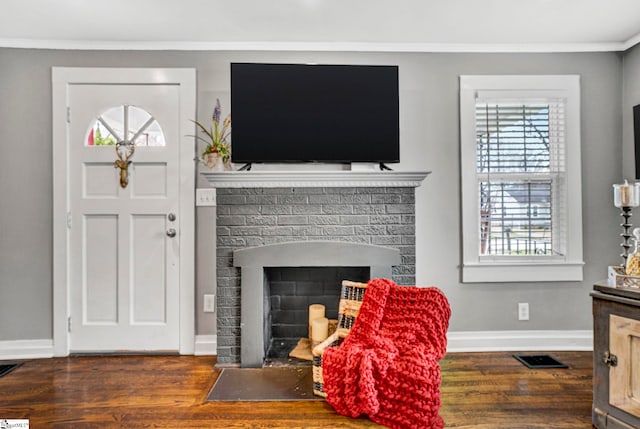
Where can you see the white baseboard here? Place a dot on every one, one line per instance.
(206, 345)
(26, 349)
(462, 341)
(493, 341)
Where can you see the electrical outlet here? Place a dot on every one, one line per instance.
(523, 311)
(209, 303)
(205, 197)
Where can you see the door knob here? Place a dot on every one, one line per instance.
(171, 232)
(610, 359)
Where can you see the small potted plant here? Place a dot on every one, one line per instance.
(217, 152)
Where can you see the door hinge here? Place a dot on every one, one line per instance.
(68, 115)
(68, 220)
(69, 324)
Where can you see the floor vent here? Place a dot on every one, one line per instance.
(7, 368)
(540, 361)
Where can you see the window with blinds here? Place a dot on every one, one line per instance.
(519, 166)
(520, 178)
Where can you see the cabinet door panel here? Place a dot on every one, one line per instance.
(624, 378)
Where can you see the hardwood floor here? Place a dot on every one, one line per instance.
(479, 390)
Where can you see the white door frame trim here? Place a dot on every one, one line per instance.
(61, 78)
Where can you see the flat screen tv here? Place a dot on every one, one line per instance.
(314, 113)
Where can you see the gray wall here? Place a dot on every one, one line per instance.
(630, 98)
(429, 141)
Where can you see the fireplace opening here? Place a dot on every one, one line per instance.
(255, 296)
(289, 291)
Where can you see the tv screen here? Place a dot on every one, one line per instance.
(322, 113)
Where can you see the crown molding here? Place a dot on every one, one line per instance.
(633, 41)
(409, 47)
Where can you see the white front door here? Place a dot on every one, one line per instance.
(126, 220)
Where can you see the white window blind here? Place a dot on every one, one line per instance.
(520, 167)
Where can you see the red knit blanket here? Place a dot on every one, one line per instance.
(387, 367)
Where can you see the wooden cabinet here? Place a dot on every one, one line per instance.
(616, 358)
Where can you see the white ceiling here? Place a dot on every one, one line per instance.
(376, 25)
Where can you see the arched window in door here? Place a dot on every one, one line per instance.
(125, 124)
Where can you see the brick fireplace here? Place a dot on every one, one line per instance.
(335, 219)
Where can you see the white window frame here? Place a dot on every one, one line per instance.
(482, 269)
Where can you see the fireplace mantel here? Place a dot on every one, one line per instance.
(339, 178)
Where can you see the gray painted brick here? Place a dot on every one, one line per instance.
(277, 230)
(254, 241)
(338, 230)
(310, 191)
(404, 280)
(307, 231)
(222, 200)
(229, 285)
(306, 209)
(404, 269)
(229, 272)
(355, 199)
(400, 208)
(293, 220)
(341, 190)
(386, 199)
(260, 220)
(408, 199)
(227, 341)
(408, 239)
(411, 219)
(408, 259)
(241, 231)
(261, 199)
(401, 229)
(222, 262)
(369, 209)
(232, 241)
(276, 210)
(354, 220)
(337, 209)
(226, 191)
(324, 199)
(386, 240)
(229, 312)
(400, 190)
(228, 301)
(230, 220)
(324, 220)
(222, 210)
(384, 219)
(281, 239)
(371, 190)
(347, 239)
(292, 199)
(244, 209)
(222, 230)
(371, 230)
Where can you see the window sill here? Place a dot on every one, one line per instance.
(497, 272)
